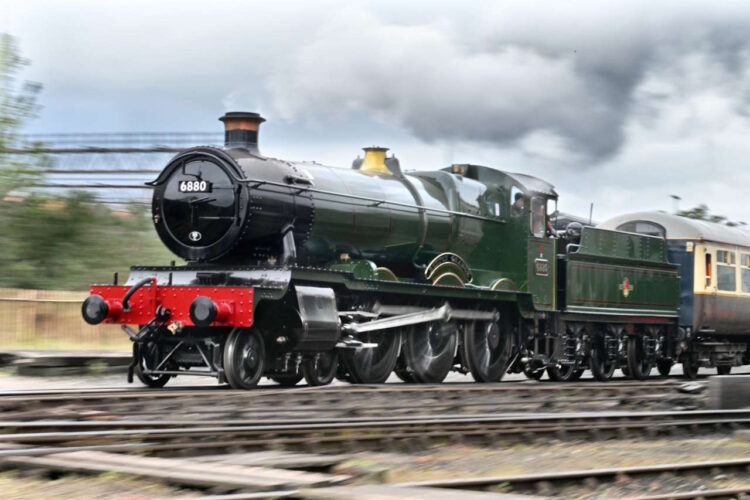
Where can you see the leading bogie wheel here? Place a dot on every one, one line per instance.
(373, 365)
(150, 357)
(320, 368)
(430, 349)
(244, 358)
(639, 364)
(486, 350)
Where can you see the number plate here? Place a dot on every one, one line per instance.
(194, 187)
(542, 267)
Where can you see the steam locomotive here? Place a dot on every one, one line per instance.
(299, 270)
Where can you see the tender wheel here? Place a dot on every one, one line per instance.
(602, 366)
(724, 370)
(244, 358)
(151, 354)
(639, 365)
(487, 350)
(566, 373)
(664, 366)
(429, 351)
(287, 380)
(321, 368)
(373, 365)
(533, 374)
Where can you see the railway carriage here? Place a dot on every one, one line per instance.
(714, 262)
(296, 269)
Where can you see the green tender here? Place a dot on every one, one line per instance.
(616, 273)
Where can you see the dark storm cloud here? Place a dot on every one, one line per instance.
(509, 71)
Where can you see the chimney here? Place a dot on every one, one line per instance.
(241, 130)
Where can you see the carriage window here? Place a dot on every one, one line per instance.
(745, 272)
(643, 227)
(538, 217)
(708, 269)
(726, 271)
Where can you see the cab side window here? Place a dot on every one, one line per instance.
(538, 217)
(517, 202)
(495, 202)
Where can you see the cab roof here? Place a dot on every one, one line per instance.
(492, 175)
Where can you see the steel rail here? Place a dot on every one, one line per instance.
(581, 386)
(505, 417)
(728, 493)
(353, 403)
(502, 425)
(524, 481)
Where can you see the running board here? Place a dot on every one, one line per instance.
(406, 316)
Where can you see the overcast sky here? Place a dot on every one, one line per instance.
(616, 103)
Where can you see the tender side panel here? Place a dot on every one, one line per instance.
(621, 273)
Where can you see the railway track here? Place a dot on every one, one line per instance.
(564, 484)
(68, 430)
(344, 401)
(182, 447)
(382, 433)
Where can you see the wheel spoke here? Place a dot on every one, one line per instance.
(486, 351)
(429, 351)
(374, 365)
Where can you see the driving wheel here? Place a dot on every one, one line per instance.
(320, 369)
(373, 365)
(486, 350)
(429, 351)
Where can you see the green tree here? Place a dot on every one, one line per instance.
(18, 104)
(702, 212)
(69, 242)
(56, 241)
